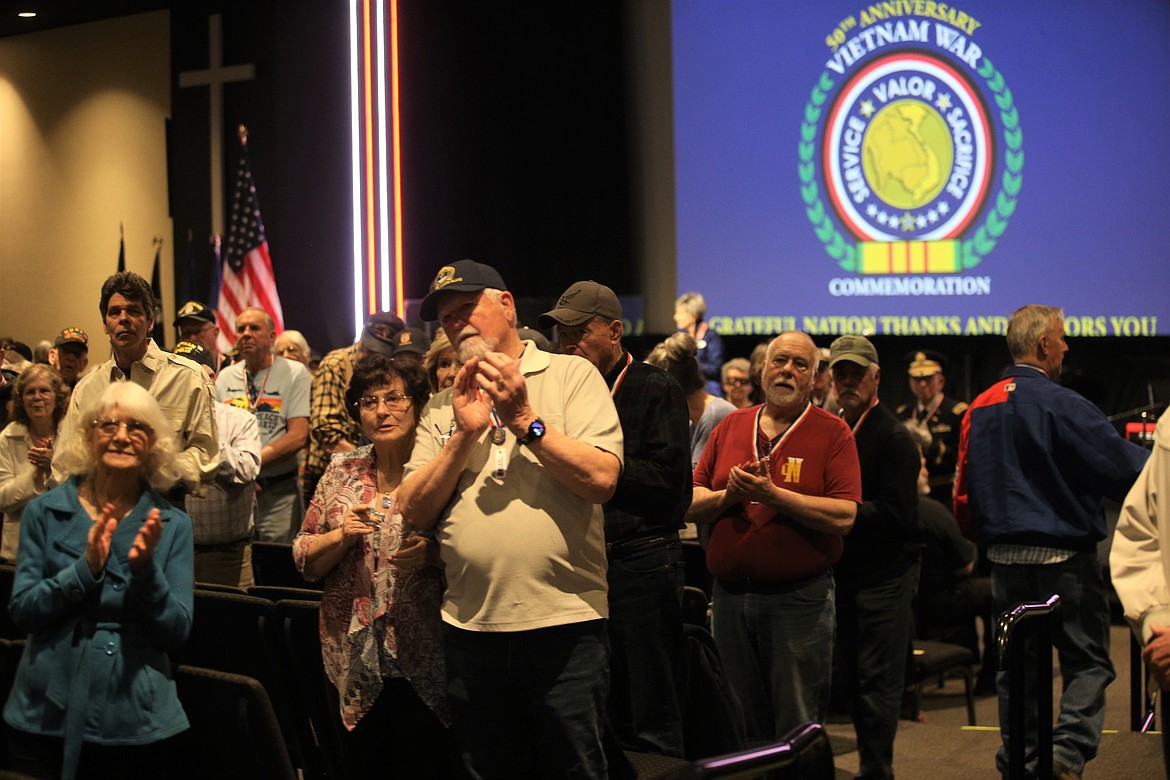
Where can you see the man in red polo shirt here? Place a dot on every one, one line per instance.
(781, 484)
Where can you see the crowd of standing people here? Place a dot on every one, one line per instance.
(500, 521)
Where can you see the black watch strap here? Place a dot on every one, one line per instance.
(535, 431)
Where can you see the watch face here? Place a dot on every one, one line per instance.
(536, 430)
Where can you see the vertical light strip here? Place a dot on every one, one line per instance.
(359, 315)
(399, 261)
(368, 106)
(383, 160)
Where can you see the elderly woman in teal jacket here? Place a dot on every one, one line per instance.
(104, 587)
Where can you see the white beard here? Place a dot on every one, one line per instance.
(475, 346)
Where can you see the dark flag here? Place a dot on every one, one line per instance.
(159, 332)
(121, 248)
(247, 280)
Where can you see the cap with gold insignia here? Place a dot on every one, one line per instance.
(194, 310)
(72, 336)
(925, 363)
(460, 276)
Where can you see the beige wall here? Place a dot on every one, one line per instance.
(82, 148)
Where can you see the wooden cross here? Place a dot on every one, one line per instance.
(215, 76)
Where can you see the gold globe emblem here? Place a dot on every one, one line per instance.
(907, 154)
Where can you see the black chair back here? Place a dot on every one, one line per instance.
(280, 593)
(241, 634)
(234, 729)
(272, 564)
(299, 623)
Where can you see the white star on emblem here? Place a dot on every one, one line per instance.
(920, 221)
(943, 102)
(866, 108)
(932, 216)
(943, 208)
(870, 210)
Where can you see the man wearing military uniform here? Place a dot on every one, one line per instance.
(939, 416)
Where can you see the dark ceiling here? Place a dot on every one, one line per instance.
(62, 13)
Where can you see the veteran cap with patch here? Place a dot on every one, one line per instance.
(581, 302)
(855, 349)
(194, 310)
(460, 276)
(411, 341)
(72, 336)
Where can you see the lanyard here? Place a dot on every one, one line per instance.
(618, 382)
(763, 454)
(861, 419)
(254, 402)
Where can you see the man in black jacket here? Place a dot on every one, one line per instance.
(641, 522)
(877, 575)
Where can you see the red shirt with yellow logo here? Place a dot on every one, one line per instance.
(749, 541)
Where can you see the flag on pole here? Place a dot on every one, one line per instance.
(121, 248)
(216, 264)
(159, 332)
(247, 278)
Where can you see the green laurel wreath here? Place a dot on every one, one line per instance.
(986, 234)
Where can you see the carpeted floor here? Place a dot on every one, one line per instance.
(944, 747)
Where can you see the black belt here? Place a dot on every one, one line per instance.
(266, 482)
(638, 544)
(767, 587)
(235, 546)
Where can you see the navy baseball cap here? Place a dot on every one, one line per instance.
(460, 276)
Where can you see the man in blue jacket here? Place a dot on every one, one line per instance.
(1034, 461)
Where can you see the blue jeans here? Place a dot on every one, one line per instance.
(529, 703)
(777, 651)
(1080, 632)
(647, 649)
(874, 626)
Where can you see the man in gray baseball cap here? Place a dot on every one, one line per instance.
(877, 575)
(642, 521)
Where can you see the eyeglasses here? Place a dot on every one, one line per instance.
(395, 402)
(737, 380)
(135, 429)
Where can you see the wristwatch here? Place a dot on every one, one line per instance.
(535, 431)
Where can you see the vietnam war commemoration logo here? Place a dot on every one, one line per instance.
(911, 152)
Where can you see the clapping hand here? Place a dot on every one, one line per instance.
(472, 410)
(97, 543)
(750, 481)
(142, 550)
(40, 455)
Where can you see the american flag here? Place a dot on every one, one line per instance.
(247, 278)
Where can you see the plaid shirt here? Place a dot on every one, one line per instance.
(225, 513)
(654, 490)
(329, 422)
